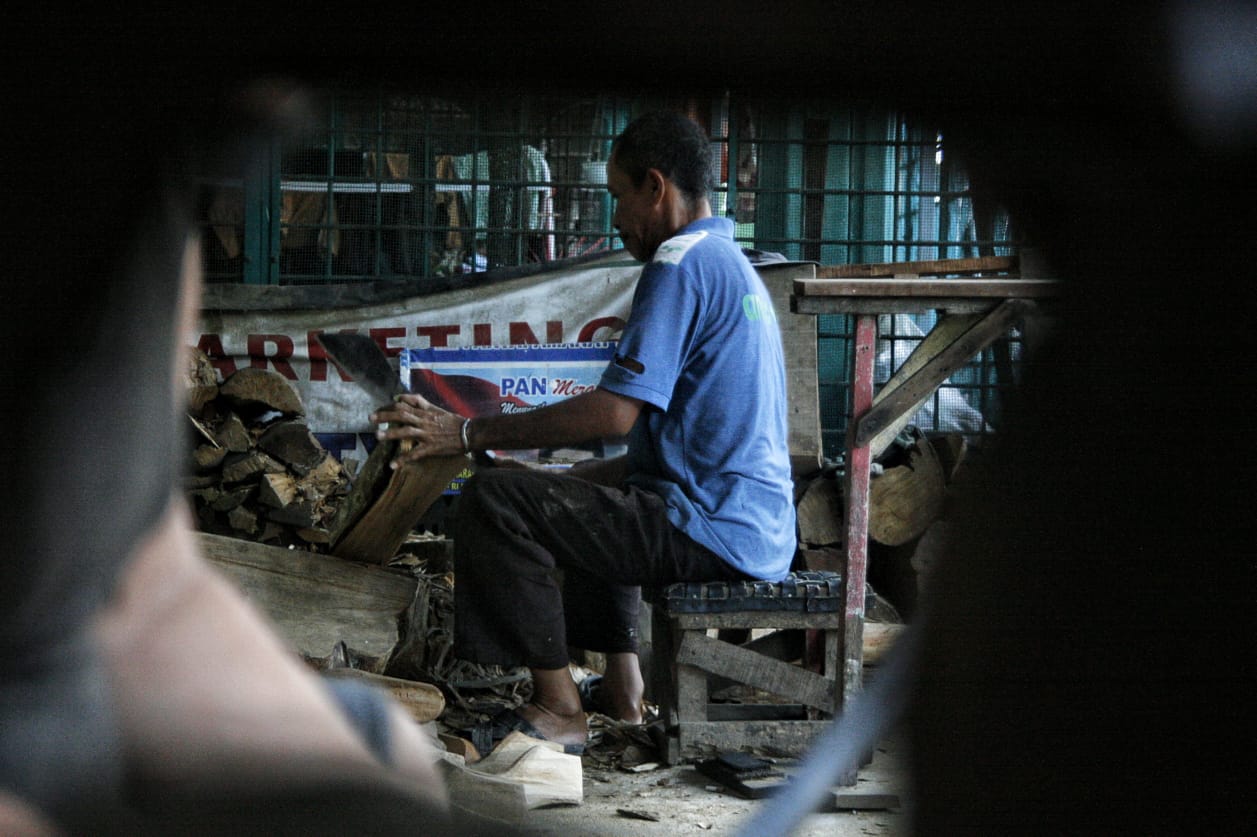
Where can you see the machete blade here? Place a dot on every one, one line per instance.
(365, 361)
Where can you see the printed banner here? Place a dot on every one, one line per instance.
(512, 379)
(496, 380)
(585, 303)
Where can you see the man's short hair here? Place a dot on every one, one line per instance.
(672, 143)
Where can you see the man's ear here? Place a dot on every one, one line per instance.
(658, 184)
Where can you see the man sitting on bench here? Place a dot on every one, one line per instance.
(703, 494)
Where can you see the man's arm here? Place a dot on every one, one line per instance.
(597, 414)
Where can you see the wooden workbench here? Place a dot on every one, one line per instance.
(973, 313)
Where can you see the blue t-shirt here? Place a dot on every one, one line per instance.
(703, 350)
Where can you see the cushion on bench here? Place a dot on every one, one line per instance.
(806, 591)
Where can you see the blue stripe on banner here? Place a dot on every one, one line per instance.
(560, 352)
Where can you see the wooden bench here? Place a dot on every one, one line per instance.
(689, 664)
(681, 616)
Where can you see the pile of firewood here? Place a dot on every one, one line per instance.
(256, 471)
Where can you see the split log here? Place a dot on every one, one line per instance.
(376, 536)
(277, 490)
(243, 520)
(326, 478)
(208, 457)
(303, 515)
(315, 601)
(227, 499)
(238, 467)
(292, 443)
(232, 434)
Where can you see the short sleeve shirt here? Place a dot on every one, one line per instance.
(702, 348)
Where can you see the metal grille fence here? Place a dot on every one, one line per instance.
(384, 185)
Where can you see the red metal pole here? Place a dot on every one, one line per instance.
(859, 462)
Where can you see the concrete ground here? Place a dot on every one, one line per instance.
(681, 800)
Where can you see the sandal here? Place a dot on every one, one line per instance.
(590, 690)
(488, 734)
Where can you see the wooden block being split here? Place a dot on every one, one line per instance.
(388, 516)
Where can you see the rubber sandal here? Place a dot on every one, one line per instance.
(590, 690)
(488, 734)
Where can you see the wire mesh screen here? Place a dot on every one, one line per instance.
(386, 185)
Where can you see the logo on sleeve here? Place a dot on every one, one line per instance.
(756, 308)
(675, 248)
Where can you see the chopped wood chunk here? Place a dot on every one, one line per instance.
(277, 490)
(303, 515)
(200, 379)
(208, 457)
(199, 370)
(228, 500)
(256, 391)
(232, 434)
(243, 520)
(324, 479)
(292, 443)
(238, 467)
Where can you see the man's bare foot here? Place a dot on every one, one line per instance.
(620, 693)
(564, 729)
(555, 710)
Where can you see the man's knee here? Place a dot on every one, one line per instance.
(485, 497)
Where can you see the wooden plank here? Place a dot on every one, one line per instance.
(936, 267)
(759, 619)
(889, 305)
(936, 368)
(993, 289)
(787, 645)
(798, 339)
(756, 670)
(945, 332)
(856, 490)
(691, 693)
(662, 673)
(784, 738)
(423, 701)
(315, 601)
